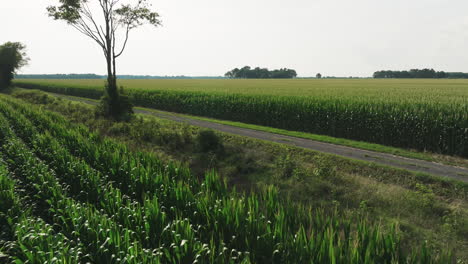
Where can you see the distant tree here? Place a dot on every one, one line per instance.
(441, 75)
(101, 20)
(283, 74)
(262, 73)
(244, 72)
(12, 58)
(319, 76)
(247, 72)
(413, 73)
(229, 74)
(457, 75)
(235, 72)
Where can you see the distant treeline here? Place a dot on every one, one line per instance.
(261, 73)
(457, 75)
(59, 76)
(417, 73)
(95, 76)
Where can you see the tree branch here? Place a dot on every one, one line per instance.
(125, 42)
(79, 25)
(89, 15)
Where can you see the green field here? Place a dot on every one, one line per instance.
(71, 196)
(427, 115)
(415, 91)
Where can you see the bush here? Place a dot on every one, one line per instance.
(120, 109)
(208, 141)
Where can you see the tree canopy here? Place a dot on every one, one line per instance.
(261, 73)
(457, 75)
(12, 57)
(414, 73)
(108, 23)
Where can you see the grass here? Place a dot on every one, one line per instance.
(425, 208)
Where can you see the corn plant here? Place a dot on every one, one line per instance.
(112, 205)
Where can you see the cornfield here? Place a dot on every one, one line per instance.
(417, 114)
(68, 195)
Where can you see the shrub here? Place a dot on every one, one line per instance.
(117, 106)
(208, 141)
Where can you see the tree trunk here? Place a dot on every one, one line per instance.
(111, 89)
(113, 104)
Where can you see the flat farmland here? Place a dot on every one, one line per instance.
(423, 114)
(98, 201)
(398, 90)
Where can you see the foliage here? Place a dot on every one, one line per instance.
(261, 73)
(414, 73)
(111, 205)
(119, 108)
(285, 166)
(457, 75)
(318, 180)
(12, 58)
(208, 141)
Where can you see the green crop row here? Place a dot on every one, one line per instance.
(27, 237)
(101, 239)
(111, 205)
(437, 124)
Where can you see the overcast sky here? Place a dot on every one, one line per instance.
(210, 37)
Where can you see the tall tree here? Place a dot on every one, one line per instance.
(107, 22)
(12, 58)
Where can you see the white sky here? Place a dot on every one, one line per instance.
(210, 37)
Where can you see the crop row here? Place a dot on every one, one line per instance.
(29, 238)
(423, 125)
(110, 205)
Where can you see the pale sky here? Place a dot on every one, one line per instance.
(210, 37)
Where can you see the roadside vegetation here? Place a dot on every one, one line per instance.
(413, 114)
(408, 153)
(423, 208)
